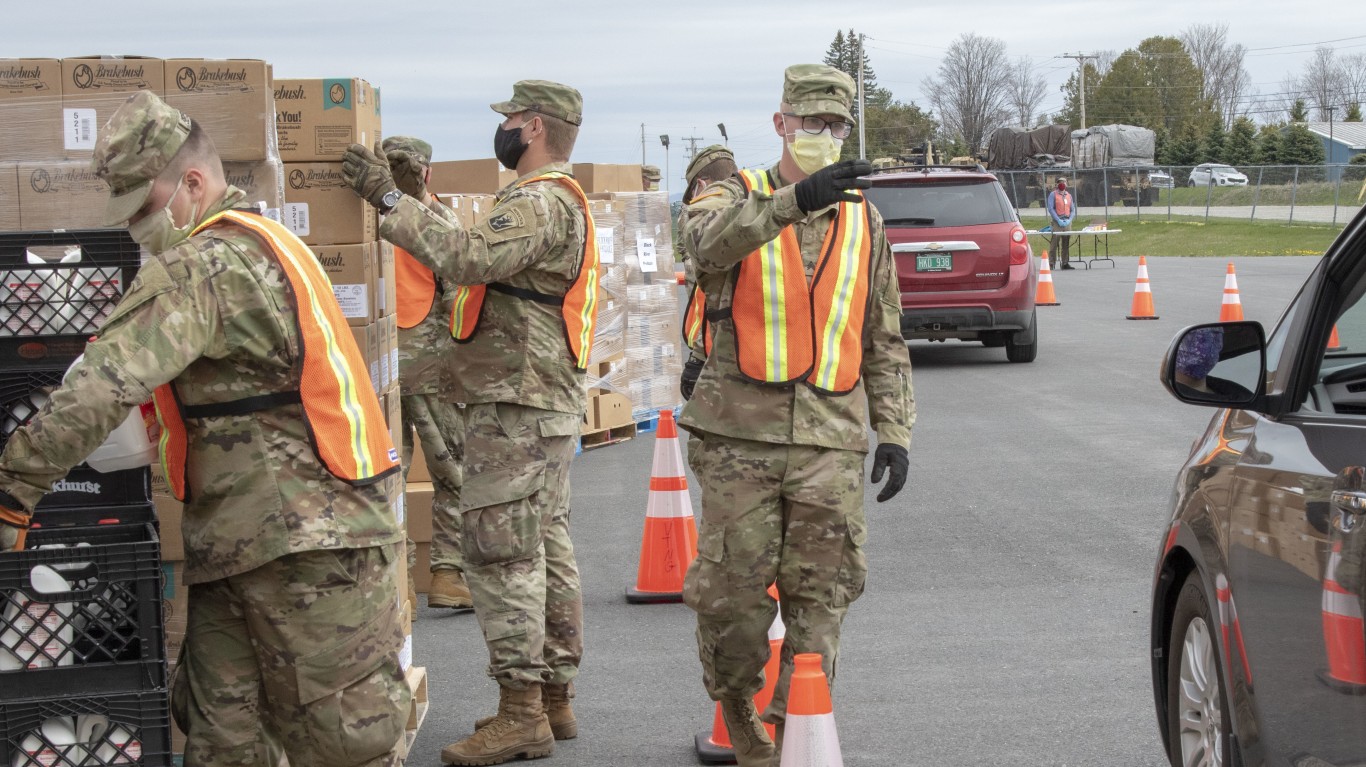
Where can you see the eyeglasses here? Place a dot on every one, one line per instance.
(812, 124)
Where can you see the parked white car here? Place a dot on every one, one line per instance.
(1160, 179)
(1216, 174)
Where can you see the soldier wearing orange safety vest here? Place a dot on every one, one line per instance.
(805, 314)
(1060, 213)
(523, 317)
(426, 356)
(274, 438)
(712, 164)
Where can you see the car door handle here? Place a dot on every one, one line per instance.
(1352, 502)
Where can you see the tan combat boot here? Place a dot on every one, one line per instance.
(555, 701)
(448, 589)
(753, 747)
(519, 731)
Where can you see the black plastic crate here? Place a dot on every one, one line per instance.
(22, 393)
(100, 629)
(128, 729)
(49, 309)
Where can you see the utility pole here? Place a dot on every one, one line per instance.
(862, 152)
(642, 143)
(1081, 78)
(692, 144)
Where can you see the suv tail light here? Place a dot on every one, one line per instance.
(1019, 247)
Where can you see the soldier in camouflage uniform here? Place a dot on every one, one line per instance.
(294, 626)
(425, 356)
(781, 466)
(712, 164)
(524, 400)
(649, 178)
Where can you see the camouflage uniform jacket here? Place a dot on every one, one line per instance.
(533, 239)
(425, 351)
(215, 315)
(720, 229)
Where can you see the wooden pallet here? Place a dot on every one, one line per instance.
(417, 711)
(604, 437)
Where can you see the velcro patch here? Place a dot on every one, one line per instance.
(503, 221)
(514, 218)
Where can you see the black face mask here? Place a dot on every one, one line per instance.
(508, 146)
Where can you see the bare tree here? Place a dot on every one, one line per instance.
(1224, 80)
(1354, 78)
(971, 89)
(1323, 81)
(1026, 90)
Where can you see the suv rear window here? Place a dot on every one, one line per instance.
(942, 203)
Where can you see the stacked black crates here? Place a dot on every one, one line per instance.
(82, 641)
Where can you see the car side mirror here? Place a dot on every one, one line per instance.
(1220, 364)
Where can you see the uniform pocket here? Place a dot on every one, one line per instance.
(559, 425)
(707, 586)
(853, 567)
(500, 517)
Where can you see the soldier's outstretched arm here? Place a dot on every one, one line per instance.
(513, 236)
(165, 322)
(886, 362)
(723, 225)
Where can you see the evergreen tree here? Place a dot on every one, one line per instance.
(1212, 143)
(1269, 145)
(1353, 112)
(1071, 110)
(1154, 85)
(1298, 111)
(1300, 147)
(1183, 148)
(1240, 147)
(843, 54)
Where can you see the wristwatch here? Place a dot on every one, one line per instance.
(389, 200)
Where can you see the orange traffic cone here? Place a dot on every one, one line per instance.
(1142, 308)
(1228, 623)
(669, 544)
(715, 747)
(809, 735)
(1232, 308)
(1342, 633)
(1334, 344)
(1045, 296)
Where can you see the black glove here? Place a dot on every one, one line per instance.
(14, 523)
(691, 370)
(830, 184)
(367, 172)
(408, 170)
(895, 460)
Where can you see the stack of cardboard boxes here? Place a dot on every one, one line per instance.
(52, 109)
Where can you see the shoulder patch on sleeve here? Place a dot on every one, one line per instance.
(514, 218)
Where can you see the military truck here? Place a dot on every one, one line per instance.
(1029, 160)
(1103, 165)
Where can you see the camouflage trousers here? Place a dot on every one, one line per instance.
(440, 428)
(790, 514)
(299, 655)
(519, 560)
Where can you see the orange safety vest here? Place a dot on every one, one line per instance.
(343, 416)
(787, 330)
(578, 306)
(695, 323)
(416, 289)
(1062, 203)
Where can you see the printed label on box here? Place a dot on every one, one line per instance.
(405, 656)
(645, 248)
(296, 218)
(80, 128)
(607, 253)
(354, 299)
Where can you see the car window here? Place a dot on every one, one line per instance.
(950, 202)
(1339, 387)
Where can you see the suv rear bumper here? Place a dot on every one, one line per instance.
(961, 321)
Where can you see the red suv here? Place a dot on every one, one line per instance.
(963, 262)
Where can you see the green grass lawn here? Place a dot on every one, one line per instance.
(1194, 237)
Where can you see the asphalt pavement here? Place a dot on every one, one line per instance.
(1005, 620)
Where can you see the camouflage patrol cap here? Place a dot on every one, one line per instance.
(650, 172)
(817, 89)
(410, 144)
(133, 148)
(706, 157)
(545, 97)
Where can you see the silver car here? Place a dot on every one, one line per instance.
(1216, 174)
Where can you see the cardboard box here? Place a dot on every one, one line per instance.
(367, 341)
(61, 194)
(170, 516)
(317, 119)
(175, 605)
(417, 466)
(383, 347)
(469, 209)
(611, 410)
(94, 87)
(422, 571)
(393, 413)
(9, 197)
(353, 274)
(469, 177)
(597, 178)
(391, 343)
(386, 297)
(419, 508)
(630, 178)
(321, 209)
(262, 180)
(230, 98)
(31, 109)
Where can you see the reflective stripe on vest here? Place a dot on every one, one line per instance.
(416, 289)
(787, 330)
(1062, 204)
(695, 323)
(343, 417)
(578, 306)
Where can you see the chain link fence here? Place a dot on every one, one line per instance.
(1302, 194)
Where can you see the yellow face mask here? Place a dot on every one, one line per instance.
(813, 152)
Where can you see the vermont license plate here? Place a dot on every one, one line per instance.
(940, 262)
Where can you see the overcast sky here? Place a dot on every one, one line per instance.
(678, 68)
